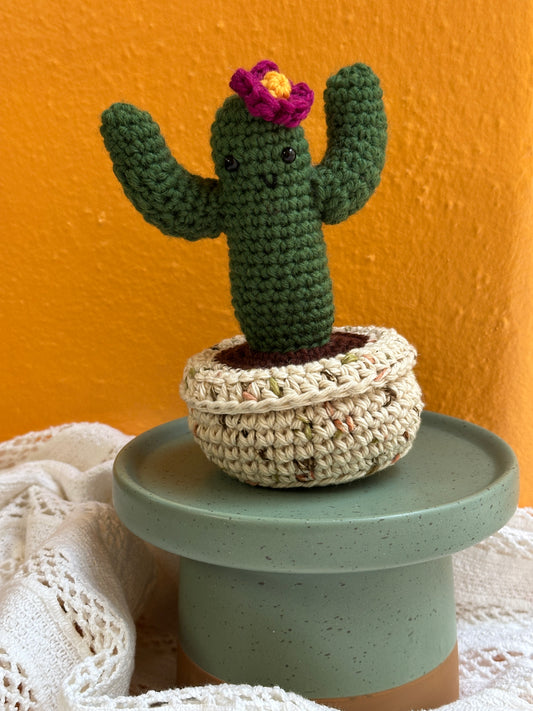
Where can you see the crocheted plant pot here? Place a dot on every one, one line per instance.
(327, 421)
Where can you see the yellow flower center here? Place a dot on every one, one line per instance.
(277, 84)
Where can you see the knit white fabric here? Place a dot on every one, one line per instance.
(85, 606)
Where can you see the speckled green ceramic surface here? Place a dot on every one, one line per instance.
(458, 485)
(325, 636)
(333, 592)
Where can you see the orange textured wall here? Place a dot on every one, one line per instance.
(99, 311)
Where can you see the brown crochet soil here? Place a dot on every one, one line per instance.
(243, 357)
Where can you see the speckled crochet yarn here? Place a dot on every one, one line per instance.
(325, 422)
(268, 199)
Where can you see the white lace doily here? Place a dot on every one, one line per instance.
(85, 606)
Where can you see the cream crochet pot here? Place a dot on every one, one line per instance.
(328, 421)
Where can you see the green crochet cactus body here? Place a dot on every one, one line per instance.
(279, 274)
(269, 199)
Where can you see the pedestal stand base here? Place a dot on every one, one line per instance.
(323, 635)
(440, 686)
(342, 594)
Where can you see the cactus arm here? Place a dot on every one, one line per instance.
(177, 202)
(357, 135)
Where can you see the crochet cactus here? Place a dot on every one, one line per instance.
(268, 198)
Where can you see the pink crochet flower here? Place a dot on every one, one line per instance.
(269, 95)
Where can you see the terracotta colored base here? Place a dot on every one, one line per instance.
(436, 688)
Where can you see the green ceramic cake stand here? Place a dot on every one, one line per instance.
(342, 594)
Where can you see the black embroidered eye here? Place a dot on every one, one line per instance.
(288, 155)
(231, 164)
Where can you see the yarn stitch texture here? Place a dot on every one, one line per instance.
(328, 421)
(268, 198)
(269, 95)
